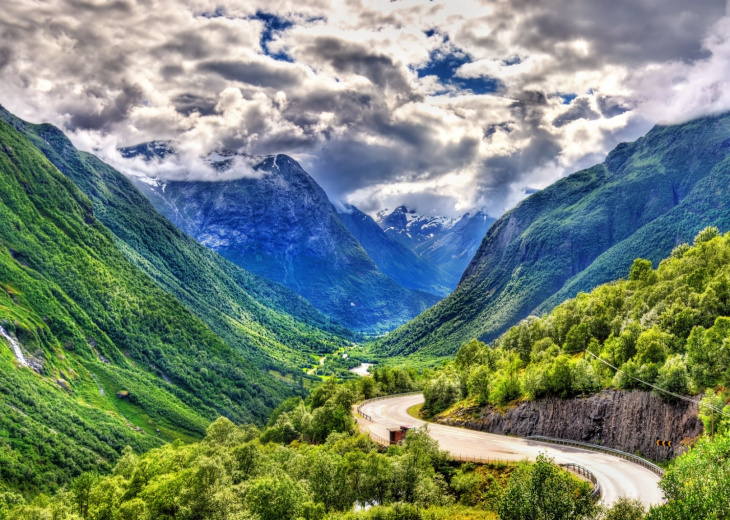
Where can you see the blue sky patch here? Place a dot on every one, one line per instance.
(272, 24)
(568, 98)
(444, 67)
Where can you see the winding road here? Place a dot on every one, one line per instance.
(616, 476)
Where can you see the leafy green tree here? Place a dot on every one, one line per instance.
(274, 498)
(471, 353)
(624, 509)
(697, 485)
(442, 392)
(642, 271)
(673, 377)
(560, 377)
(544, 491)
(478, 383)
(506, 389)
(81, 489)
(585, 379)
(713, 421)
(577, 339)
(706, 235)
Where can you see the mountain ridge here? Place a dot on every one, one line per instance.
(283, 227)
(544, 244)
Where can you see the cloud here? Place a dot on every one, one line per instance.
(445, 106)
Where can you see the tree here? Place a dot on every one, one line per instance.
(697, 485)
(478, 384)
(274, 498)
(673, 377)
(544, 491)
(706, 235)
(442, 392)
(81, 488)
(624, 509)
(642, 271)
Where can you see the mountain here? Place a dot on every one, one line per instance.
(409, 227)
(582, 231)
(447, 243)
(95, 354)
(278, 223)
(392, 257)
(264, 321)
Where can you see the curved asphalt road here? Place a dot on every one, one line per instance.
(616, 476)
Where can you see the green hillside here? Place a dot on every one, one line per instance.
(267, 323)
(584, 230)
(91, 324)
(667, 327)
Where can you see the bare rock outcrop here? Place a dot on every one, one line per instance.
(627, 421)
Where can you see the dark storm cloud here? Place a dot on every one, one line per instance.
(253, 73)
(579, 109)
(188, 103)
(113, 111)
(629, 32)
(612, 106)
(5, 55)
(345, 56)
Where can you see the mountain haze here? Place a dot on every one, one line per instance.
(584, 230)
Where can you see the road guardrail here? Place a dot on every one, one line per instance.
(577, 468)
(596, 447)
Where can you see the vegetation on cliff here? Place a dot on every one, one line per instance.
(666, 327)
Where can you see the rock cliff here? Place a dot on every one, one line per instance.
(627, 421)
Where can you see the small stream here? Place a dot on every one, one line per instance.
(15, 346)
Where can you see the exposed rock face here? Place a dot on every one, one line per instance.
(627, 421)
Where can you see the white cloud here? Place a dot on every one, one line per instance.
(340, 88)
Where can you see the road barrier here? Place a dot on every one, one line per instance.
(577, 468)
(595, 447)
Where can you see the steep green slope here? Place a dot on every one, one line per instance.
(667, 327)
(393, 258)
(91, 324)
(267, 323)
(644, 199)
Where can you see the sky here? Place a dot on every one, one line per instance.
(446, 106)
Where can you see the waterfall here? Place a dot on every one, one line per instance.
(15, 346)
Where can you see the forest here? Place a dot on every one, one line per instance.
(663, 329)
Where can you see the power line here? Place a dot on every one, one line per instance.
(684, 398)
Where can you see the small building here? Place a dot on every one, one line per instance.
(123, 394)
(397, 435)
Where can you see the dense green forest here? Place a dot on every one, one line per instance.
(584, 230)
(309, 462)
(91, 324)
(267, 323)
(666, 327)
